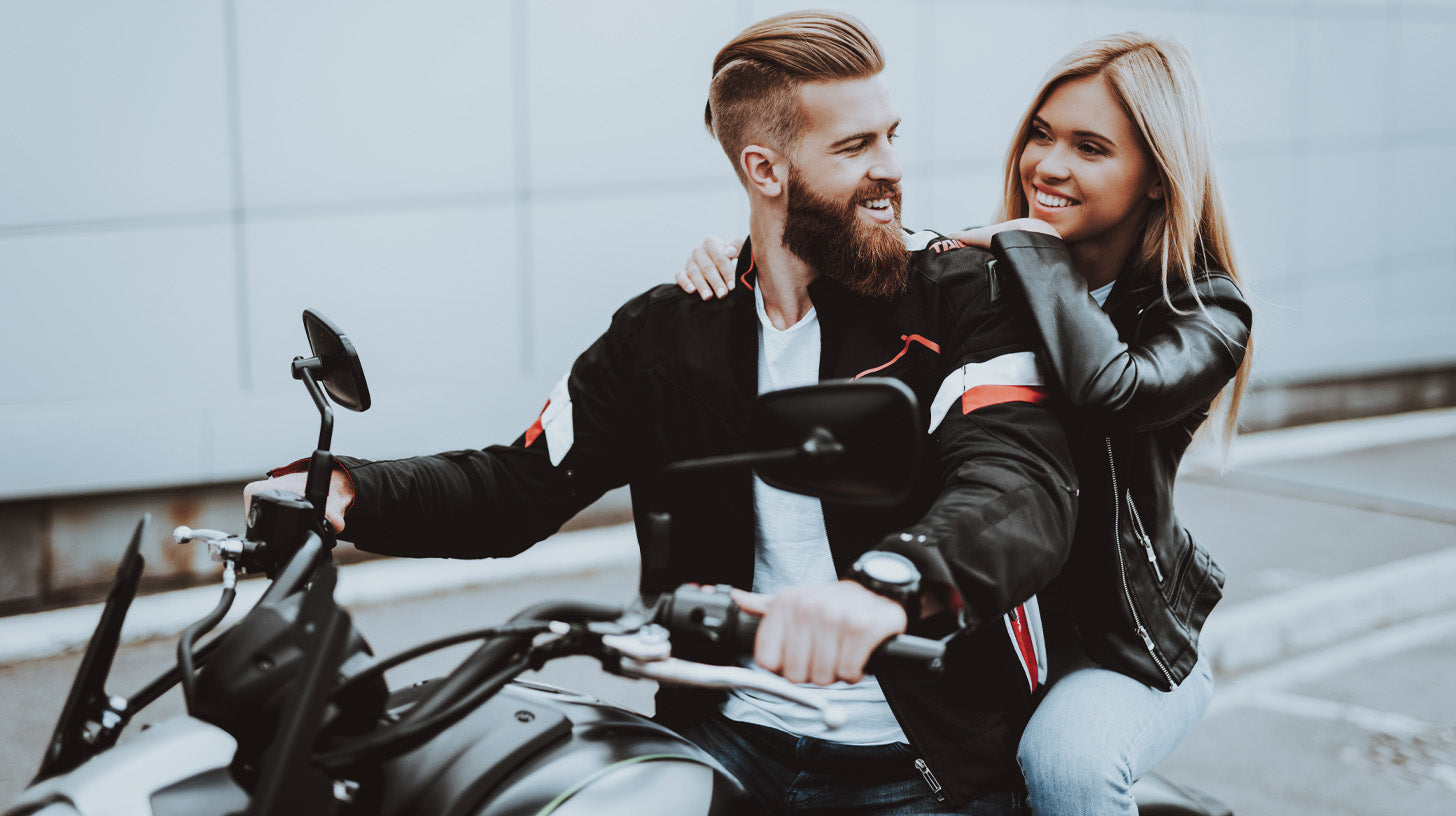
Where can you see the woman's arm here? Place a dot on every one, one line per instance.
(1178, 368)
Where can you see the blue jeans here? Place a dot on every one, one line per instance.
(1097, 731)
(791, 774)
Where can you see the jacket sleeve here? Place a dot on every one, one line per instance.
(1177, 369)
(500, 500)
(1002, 525)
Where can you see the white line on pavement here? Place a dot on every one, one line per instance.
(1261, 632)
(1380, 643)
(1385, 722)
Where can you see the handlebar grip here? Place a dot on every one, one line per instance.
(909, 651)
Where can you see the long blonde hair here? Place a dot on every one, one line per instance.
(1185, 233)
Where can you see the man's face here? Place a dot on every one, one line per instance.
(843, 187)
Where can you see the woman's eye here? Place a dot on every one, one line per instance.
(1090, 149)
(1040, 135)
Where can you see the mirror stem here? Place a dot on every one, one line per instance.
(820, 443)
(321, 464)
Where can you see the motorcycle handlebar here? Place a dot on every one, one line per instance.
(709, 612)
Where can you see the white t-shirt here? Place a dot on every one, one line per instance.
(792, 548)
(1100, 293)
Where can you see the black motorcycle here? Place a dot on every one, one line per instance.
(288, 711)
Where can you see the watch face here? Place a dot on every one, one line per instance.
(891, 569)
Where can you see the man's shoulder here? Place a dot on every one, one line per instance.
(666, 308)
(945, 264)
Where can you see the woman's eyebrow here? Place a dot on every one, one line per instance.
(1086, 134)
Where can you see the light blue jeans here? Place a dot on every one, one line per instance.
(1097, 731)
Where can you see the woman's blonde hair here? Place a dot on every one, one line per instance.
(1186, 232)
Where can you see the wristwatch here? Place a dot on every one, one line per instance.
(889, 574)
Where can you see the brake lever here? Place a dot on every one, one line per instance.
(701, 675)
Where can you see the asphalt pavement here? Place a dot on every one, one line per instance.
(1335, 646)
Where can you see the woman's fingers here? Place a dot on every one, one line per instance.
(981, 236)
(691, 280)
(706, 263)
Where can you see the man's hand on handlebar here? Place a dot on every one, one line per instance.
(341, 494)
(821, 634)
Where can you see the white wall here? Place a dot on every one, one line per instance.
(470, 188)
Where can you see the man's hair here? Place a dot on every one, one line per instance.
(753, 97)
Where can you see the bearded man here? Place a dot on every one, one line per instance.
(799, 105)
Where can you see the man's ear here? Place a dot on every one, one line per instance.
(764, 169)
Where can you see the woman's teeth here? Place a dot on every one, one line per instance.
(1049, 200)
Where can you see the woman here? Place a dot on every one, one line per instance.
(1110, 191)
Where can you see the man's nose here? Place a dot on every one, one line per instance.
(887, 165)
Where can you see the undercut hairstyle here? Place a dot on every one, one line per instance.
(753, 97)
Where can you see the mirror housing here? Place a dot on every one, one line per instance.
(858, 441)
(338, 369)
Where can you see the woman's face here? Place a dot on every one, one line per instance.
(1084, 168)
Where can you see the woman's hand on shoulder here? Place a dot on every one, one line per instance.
(709, 270)
(981, 236)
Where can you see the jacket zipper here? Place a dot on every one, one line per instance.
(930, 779)
(1137, 622)
(1142, 535)
(920, 764)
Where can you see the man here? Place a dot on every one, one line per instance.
(800, 107)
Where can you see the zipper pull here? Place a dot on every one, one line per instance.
(1147, 640)
(930, 779)
(1152, 557)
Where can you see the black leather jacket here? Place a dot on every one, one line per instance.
(1138, 585)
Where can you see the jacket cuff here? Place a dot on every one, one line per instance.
(301, 466)
(1025, 239)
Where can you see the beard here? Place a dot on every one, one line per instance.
(868, 259)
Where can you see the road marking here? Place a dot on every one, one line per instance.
(1265, 689)
(1315, 708)
(1261, 632)
(1243, 691)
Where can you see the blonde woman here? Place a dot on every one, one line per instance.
(1113, 229)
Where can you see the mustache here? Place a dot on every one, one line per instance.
(878, 189)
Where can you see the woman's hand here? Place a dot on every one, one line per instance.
(981, 236)
(710, 270)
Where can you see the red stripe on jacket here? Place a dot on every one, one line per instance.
(983, 395)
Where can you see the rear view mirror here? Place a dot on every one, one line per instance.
(860, 440)
(339, 370)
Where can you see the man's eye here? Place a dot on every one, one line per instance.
(894, 136)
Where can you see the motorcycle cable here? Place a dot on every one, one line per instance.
(186, 665)
(423, 649)
(407, 735)
(154, 690)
